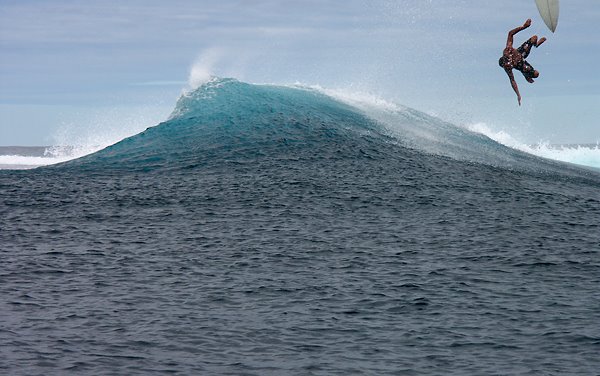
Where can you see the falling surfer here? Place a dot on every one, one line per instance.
(515, 58)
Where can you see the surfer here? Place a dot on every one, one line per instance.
(515, 58)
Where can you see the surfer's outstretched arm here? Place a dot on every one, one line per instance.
(514, 84)
(511, 34)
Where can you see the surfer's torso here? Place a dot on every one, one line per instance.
(514, 60)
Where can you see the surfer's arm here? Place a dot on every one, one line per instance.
(511, 34)
(514, 84)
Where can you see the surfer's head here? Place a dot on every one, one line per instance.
(502, 61)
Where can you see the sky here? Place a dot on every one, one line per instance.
(74, 71)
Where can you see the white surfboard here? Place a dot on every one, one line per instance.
(549, 12)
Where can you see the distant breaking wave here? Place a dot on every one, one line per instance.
(585, 155)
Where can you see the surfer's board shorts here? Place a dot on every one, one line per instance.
(525, 68)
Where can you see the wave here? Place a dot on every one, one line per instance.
(228, 121)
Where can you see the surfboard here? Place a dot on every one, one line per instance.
(549, 12)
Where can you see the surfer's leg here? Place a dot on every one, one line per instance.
(529, 72)
(525, 48)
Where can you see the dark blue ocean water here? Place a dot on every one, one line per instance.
(265, 230)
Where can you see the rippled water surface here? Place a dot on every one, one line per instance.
(332, 267)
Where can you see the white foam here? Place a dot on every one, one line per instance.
(359, 99)
(52, 155)
(586, 155)
(24, 162)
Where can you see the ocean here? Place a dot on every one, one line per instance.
(269, 230)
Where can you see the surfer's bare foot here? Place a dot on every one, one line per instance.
(539, 43)
(527, 23)
(533, 40)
